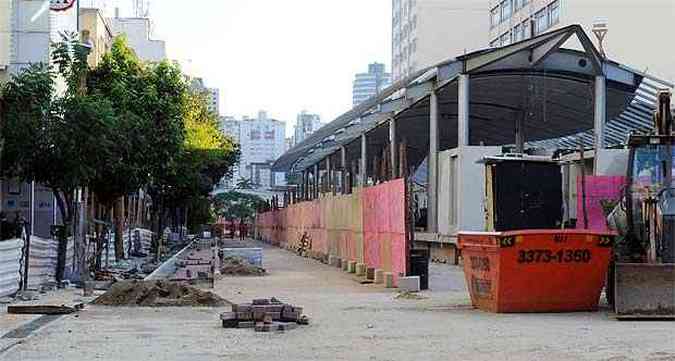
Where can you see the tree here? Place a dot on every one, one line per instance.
(54, 139)
(235, 205)
(206, 157)
(148, 101)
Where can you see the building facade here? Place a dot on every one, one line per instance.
(306, 124)
(635, 28)
(370, 84)
(261, 141)
(139, 35)
(212, 94)
(426, 32)
(95, 29)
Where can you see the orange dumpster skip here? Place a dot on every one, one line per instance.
(536, 270)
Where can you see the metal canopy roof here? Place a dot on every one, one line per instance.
(552, 87)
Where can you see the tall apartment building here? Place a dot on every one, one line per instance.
(261, 141)
(212, 94)
(306, 124)
(371, 83)
(639, 31)
(426, 32)
(139, 35)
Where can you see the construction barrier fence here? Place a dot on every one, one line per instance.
(367, 226)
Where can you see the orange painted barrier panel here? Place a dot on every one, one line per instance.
(536, 270)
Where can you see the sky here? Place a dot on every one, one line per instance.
(281, 56)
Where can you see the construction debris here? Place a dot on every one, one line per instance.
(43, 309)
(237, 266)
(407, 295)
(158, 293)
(264, 315)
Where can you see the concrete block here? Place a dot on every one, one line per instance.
(389, 280)
(246, 324)
(228, 316)
(351, 267)
(245, 316)
(286, 326)
(409, 284)
(230, 323)
(379, 276)
(360, 269)
(370, 273)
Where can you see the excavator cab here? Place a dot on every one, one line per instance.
(644, 272)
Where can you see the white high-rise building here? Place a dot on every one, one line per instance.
(306, 124)
(212, 94)
(139, 35)
(426, 32)
(261, 141)
(639, 31)
(370, 84)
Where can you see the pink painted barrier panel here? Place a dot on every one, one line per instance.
(598, 188)
(367, 226)
(384, 227)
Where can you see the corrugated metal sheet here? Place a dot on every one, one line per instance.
(636, 117)
(43, 260)
(10, 254)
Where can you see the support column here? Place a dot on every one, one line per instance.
(316, 181)
(463, 103)
(343, 166)
(393, 149)
(432, 208)
(600, 118)
(329, 177)
(363, 167)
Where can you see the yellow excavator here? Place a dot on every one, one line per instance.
(642, 282)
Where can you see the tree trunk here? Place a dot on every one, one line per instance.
(66, 208)
(118, 222)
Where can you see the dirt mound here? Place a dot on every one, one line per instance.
(157, 293)
(237, 266)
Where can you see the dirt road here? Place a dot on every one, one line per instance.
(349, 322)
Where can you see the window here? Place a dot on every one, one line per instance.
(516, 5)
(554, 13)
(518, 33)
(526, 30)
(494, 17)
(540, 21)
(506, 10)
(505, 39)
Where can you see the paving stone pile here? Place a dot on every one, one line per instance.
(264, 315)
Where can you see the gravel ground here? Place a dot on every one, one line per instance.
(349, 322)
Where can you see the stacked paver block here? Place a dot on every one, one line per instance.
(409, 284)
(360, 269)
(264, 315)
(370, 273)
(379, 276)
(389, 280)
(351, 267)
